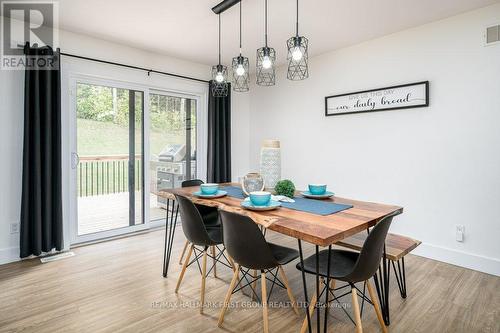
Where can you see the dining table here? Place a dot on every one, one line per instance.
(322, 231)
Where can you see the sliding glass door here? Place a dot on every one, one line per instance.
(128, 142)
(172, 145)
(109, 160)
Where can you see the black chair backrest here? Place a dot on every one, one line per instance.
(245, 243)
(191, 182)
(192, 222)
(202, 209)
(372, 251)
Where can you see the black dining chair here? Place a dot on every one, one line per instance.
(248, 248)
(202, 237)
(351, 267)
(210, 216)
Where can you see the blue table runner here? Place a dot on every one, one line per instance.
(234, 191)
(312, 206)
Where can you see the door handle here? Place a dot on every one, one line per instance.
(75, 160)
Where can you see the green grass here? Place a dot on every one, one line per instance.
(107, 138)
(98, 138)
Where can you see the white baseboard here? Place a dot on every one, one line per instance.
(9, 254)
(459, 258)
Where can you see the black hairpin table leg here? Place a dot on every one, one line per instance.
(170, 224)
(305, 286)
(382, 285)
(400, 275)
(327, 289)
(318, 315)
(318, 293)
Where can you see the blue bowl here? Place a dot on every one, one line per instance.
(209, 189)
(260, 198)
(317, 189)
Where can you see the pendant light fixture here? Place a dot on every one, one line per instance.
(219, 76)
(240, 66)
(297, 54)
(266, 58)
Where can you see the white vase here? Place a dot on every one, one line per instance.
(270, 163)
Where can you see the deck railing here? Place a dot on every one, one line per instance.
(97, 175)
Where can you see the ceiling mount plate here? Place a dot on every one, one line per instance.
(224, 5)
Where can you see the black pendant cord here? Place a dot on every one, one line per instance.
(297, 23)
(219, 42)
(240, 28)
(133, 67)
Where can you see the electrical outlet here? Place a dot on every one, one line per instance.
(14, 228)
(460, 233)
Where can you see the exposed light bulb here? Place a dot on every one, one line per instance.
(240, 70)
(219, 77)
(266, 62)
(297, 54)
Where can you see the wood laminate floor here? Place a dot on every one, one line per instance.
(117, 286)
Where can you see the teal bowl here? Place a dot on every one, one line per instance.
(317, 189)
(209, 189)
(260, 198)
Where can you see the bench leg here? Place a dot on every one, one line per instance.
(400, 276)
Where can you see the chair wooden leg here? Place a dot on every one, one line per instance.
(228, 295)
(312, 307)
(203, 278)
(186, 262)
(264, 302)
(183, 251)
(289, 290)
(214, 261)
(373, 297)
(357, 316)
(332, 287)
(233, 266)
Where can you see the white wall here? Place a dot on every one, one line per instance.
(11, 111)
(11, 150)
(442, 163)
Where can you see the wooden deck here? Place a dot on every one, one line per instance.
(110, 211)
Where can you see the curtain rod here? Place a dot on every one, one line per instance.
(134, 67)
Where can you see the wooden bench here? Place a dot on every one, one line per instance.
(396, 247)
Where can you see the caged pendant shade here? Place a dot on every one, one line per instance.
(266, 59)
(219, 75)
(297, 56)
(241, 69)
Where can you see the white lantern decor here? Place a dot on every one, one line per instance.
(270, 163)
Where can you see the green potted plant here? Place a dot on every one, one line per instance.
(285, 187)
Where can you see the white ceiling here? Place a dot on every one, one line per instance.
(187, 29)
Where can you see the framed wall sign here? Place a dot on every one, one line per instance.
(413, 95)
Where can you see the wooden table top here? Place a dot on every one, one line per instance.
(312, 228)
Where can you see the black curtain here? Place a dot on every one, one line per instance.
(219, 137)
(41, 207)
